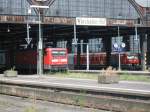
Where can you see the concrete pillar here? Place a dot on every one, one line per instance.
(84, 46)
(148, 43)
(78, 54)
(12, 51)
(104, 41)
(1, 43)
(143, 41)
(126, 40)
(107, 46)
(148, 51)
(54, 43)
(69, 45)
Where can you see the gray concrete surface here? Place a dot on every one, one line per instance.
(96, 72)
(16, 104)
(125, 87)
(27, 86)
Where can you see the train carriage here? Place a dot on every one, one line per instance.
(99, 60)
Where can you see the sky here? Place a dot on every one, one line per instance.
(143, 2)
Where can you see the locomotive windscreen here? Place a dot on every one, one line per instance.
(132, 57)
(58, 53)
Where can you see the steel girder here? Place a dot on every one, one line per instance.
(140, 10)
(45, 2)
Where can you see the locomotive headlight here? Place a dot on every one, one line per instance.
(55, 60)
(63, 60)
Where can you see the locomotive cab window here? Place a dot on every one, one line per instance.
(132, 57)
(58, 53)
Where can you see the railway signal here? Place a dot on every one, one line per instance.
(119, 47)
(40, 41)
(28, 39)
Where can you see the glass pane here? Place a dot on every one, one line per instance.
(93, 8)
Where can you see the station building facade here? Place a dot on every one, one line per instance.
(59, 21)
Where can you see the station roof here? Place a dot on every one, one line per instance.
(143, 3)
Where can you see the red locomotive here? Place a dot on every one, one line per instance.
(53, 59)
(98, 60)
(130, 59)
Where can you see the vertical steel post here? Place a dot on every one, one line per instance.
(75, 36)
(40, 47)
(119, 49)
(145, 52)
(75, 39)
(40, 41)
(27, 29)
(87, 53)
